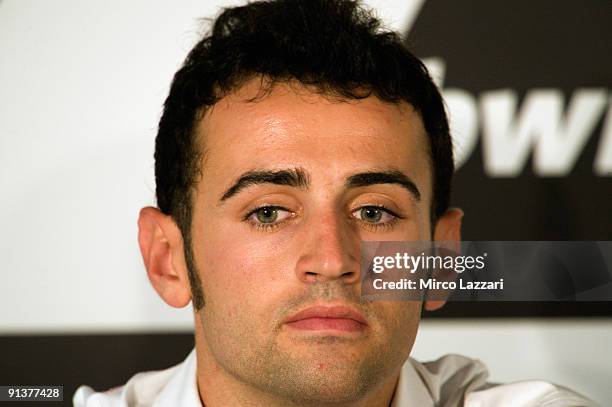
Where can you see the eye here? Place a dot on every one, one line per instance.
(375, 215)
(268, 215)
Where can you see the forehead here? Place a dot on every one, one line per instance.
(293, 125)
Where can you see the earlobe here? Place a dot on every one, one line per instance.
(448, 229)
(432, 305)
(161, 246)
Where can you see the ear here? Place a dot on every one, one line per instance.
(448, 228)
(161, 246)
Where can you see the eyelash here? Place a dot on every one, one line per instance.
(378, 226)
(267, 227)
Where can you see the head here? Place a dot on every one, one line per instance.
(294, 131)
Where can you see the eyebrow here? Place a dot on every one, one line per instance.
(295, 177)
(384, 177)
(298, 178)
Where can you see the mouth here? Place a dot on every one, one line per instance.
(330, 319)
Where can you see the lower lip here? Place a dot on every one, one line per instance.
(327, 324)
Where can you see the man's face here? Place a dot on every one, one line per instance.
(318, 177)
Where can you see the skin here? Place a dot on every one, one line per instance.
(254, 277)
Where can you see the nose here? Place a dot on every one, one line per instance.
(330, 251)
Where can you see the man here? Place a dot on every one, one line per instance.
(293, 132)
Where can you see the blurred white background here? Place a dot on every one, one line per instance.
(82, 86)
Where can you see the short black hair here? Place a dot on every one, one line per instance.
(337, 46)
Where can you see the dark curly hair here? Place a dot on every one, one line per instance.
(336, 46)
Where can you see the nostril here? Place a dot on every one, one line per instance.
(311, 276)
(350, 276)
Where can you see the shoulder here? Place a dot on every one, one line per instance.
(527, 393)
(451, 376)
(143, 389)
(459, 380)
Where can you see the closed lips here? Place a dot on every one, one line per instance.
(341, 318)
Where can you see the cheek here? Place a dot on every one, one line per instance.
(402, 320)
(240, 274)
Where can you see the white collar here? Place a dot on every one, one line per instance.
(182, 389)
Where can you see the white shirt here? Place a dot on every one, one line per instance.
(452, 380)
